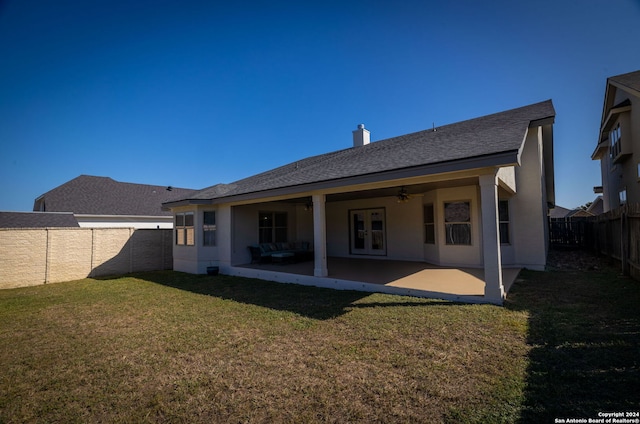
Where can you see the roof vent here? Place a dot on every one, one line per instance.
(361, 136)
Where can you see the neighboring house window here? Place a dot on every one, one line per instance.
(622, 195)
(503, 216)
(209, 228)
(614, 137)
(184, 229)
(272, 227)
(429, 225)
(457, 223)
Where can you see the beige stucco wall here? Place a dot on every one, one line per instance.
(441, 253)
(37, 256)
(624, 174)
(528, 207)
(403, 223)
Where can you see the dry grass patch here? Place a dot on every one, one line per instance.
(171, 347)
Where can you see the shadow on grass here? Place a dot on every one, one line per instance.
(311, 302)
(584, 334)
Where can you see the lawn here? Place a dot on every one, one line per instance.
(172, 347)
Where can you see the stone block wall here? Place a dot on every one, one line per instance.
(47, 255)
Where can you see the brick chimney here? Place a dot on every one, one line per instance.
(361, 136)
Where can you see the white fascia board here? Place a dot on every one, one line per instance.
(125, 217)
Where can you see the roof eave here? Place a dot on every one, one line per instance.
(167, 206)
(507, 158)
(626, 88)
(612, 116)
(600, 150)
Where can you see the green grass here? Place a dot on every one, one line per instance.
(172, 347)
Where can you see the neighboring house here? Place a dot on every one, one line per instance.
(471, 194)
(560, 212)
(37, 220)
(597, 206)
(618, 148)
(104, 202)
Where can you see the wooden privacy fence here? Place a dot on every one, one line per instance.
(615, 234)
(568, 231)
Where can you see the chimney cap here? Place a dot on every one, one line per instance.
(360, 126)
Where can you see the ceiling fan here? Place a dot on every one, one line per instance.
(403, 196)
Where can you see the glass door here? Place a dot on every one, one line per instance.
(367, 228)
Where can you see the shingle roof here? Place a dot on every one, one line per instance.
(630, 80)
(492, 134)
(37, 219)
(92, 195)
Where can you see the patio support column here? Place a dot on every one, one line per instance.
(224, 221)
(493, 289)
(319, 236)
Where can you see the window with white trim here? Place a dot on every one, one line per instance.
(429, 224)
(457, 223)
(209, 228)
(616, 145)
(622, 196)
(503, 216)
(184, 229)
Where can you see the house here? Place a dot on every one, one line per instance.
(37, 220)
(558, 212)
(596, 207)
(618, 148)
(472, 195)
(104, 202)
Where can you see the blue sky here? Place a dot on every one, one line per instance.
(194, 93)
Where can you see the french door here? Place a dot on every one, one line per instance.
(367, 232)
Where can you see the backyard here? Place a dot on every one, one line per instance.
(172, 347)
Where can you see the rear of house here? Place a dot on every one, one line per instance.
(473, 194)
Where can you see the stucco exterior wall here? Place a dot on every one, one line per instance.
(49, 255)
(623, 175)
(403, 224)
(459, 255)
(528, 207)
(630, 123)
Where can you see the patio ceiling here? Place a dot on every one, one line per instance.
(391, 191)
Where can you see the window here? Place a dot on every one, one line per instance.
(272, 227)
(622, 195)
(457, 223)
(503, 216)
(429, 225)
(184, 229)
(614, 138)
(209, 228)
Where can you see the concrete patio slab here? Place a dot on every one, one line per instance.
(387, 276)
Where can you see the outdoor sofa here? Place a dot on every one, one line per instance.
(263, 252)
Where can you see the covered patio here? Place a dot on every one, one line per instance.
(385, 276)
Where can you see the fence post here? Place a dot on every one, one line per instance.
(624, 239)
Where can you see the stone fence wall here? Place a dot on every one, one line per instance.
(36, 256)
